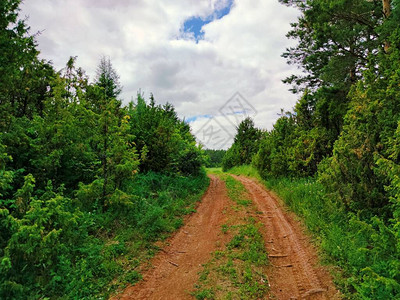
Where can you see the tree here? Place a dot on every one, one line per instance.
(336, 39)
(113, 143)
(108, 79)
(273, 157)
(245, 145)
(24, 78)
(164, 142)
(214, 157)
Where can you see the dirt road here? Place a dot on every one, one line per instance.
(294, 272)
(176, 267)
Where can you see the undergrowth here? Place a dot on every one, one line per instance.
(362, 251)
(84, 252)
(161, 202)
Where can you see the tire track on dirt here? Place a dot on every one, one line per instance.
(294, 271)
(175, 269)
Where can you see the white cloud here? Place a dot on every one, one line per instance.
(240, 52)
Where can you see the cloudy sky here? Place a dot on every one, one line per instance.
(214, 60)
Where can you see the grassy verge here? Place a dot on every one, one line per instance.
(237, 272)
(215, 171)
(361, 253)
(131, 234)
(245, 170)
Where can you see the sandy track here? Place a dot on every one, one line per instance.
(294, 272)
(175, 269)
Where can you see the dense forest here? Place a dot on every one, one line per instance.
(342, 138)
(213, 158)
(86, 184)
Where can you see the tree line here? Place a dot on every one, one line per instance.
(69, 155)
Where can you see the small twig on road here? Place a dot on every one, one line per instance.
(283, 266)
(172, 263)
(277, 255)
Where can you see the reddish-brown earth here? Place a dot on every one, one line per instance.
(294, 272)
(175, 269)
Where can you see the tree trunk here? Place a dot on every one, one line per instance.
(386, 8)
(386, 13)
(105, 166)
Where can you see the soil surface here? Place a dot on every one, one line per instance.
(175, 269)
(294, 272)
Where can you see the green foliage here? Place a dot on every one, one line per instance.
(6, 176)
(334, 40)
(299, 141)
(273, 155)
(214, 158)
(108, 79)
(24, 78)
(334, 59)
(51, 249)
(231, 158)
(75, 215)
(244, 146)
(164, 142)
(344, 131)
(357, 173)
(367, 251)
(345, 118)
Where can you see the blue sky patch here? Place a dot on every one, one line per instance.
(194, 25)
(194, 118)
(220, 13)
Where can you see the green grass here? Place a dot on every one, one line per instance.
(236, 191)
(245, 170)
(237, 271)
(215, 171)
(362, 254)
(160, 203)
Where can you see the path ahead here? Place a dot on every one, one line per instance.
(176, 267)
(294, 272)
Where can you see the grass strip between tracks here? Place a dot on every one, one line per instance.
(238, 271)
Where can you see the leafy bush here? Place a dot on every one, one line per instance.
(54, 249)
